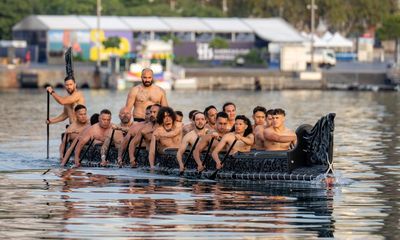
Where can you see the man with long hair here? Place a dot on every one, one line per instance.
(167, 135)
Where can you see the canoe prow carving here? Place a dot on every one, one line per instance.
(320, 140)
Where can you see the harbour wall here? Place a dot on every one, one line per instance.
(211, 79)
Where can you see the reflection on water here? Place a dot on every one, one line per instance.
(68, 203)
(125, 203)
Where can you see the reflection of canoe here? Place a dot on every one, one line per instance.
(311, 157)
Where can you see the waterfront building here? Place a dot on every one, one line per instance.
(47, 36)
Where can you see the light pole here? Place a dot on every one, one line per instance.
(98, 35)
(312, 7)
(96, 76)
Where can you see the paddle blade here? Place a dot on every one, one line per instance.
(214, 175)
(68, 64)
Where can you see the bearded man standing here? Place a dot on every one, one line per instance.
(73, 98)
(144, 95)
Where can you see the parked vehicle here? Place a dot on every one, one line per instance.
(322, 57)
(393, 73)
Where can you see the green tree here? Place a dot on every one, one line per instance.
(218, 42)
(112, 42)
(390, 30)
(10, 14)
(168, 37)
(346, 16)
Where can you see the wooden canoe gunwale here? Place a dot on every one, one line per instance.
(311, 157)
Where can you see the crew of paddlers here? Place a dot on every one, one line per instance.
(147, 121)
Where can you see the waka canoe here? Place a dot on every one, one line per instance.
(311, 157)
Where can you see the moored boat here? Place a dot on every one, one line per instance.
(311, 157)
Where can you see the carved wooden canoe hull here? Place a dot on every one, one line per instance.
(312, 156)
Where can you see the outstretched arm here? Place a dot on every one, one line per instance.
(152, 151)
(69, 152)
(271, 136)
(203, 143)
(218, 149)
(124, 144)
(82, 141)
(63, 143)
(59, 118)
(63, 100)
(132, 147)
(130, 100)
(173, 133)
(181, 150)
(249, 140)
(104, 148)
(164, 102)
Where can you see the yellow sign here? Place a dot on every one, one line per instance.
(124, 46)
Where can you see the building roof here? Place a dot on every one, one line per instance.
(146, 24)
(50, 22)
(186, 24)
(274, 29)
(226, 25)
(269, 29)
(108, 23)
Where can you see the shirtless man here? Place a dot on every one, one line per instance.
(119, 130)
(69, 102)
(211, 116)
(144, 95)
(268, 119)
(191, 137)
(242, 132)
(133, 130)
(168, 134)
(75, 128)
(93, 120)
(146, 132)
(179, 116)
(259, 117)
(230, 109)
(125, 117)
(189, 126)
(220, 131)
(98, 132)
(277, 136)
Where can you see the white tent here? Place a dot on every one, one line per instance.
(327, 36)
(338, 41)
(318, 42)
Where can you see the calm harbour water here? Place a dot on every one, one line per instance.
(130, 204)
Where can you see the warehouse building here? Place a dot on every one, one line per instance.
(47, 36)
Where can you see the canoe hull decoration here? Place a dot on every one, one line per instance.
(312, 156)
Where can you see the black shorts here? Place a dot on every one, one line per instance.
(138, 119)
